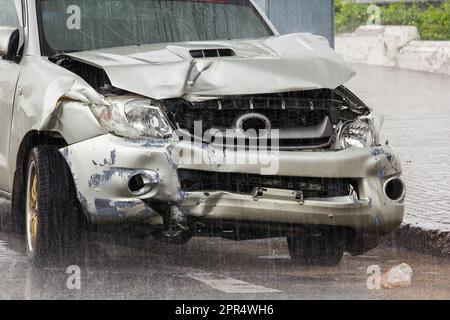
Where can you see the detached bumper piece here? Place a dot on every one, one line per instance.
(279, 206)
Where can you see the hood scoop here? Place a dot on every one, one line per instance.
(212, 53)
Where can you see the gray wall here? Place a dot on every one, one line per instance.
(315, 16)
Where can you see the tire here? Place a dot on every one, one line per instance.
(53, 217)
(324, 247)
(17, 214)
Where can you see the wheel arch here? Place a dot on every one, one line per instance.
(31, 140)
(37, 138)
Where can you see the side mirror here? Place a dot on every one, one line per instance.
(9, 43)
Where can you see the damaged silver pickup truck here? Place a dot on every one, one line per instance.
(182, 118)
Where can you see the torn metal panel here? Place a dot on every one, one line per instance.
(52, 99)
(277, 64)
(341, 211)
(67, 118)
(43, 91)
(43, 84)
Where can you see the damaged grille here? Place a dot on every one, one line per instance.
(303, 119)
(280, 119)
(243, 183)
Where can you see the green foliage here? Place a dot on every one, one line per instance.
(349, 16)
(433, 22)
(401, 14)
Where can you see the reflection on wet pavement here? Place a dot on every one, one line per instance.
(208, 268)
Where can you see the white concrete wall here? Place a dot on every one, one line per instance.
(395, 46)
(431, 56)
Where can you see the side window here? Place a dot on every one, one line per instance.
(8, 14)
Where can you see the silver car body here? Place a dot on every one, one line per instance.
(38, 96)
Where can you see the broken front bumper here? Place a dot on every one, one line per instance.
(104, 167)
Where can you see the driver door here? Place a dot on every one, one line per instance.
(9, 75)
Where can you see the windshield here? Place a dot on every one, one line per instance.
(80, 25)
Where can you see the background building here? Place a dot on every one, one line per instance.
(315, 16)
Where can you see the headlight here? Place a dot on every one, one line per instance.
(357, 134)
(134, 118)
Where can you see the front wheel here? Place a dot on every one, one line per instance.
(323, 247)
(52, 211)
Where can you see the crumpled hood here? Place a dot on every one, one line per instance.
(276, 64)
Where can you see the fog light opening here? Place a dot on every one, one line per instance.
(394, 189)
(140, 184)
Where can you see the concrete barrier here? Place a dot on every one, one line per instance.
(378, 45)
(394, 46)
(430, 56)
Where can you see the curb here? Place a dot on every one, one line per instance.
(419, 239)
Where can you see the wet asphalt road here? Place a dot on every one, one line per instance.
(212, 269)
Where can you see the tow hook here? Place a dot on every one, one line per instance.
(299, 197)
(178, 221)
(258, 193)
(178, 230)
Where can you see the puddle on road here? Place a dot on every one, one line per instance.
(275, 257)
(9, 255)
(137, 271)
